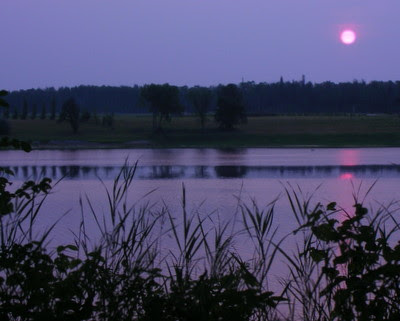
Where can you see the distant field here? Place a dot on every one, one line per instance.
(274, 131)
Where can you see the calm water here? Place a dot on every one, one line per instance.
(215, 180)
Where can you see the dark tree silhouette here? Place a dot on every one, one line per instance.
(3, 103)
(15, 113)
(282, 97)
(53, 109)
(201, 99)
(85, 117)
(43, 113)
(6, 113)
(230, 111)
(164, 101)
(70, 112)
(34, 111)
(24, 113)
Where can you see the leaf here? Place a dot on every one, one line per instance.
(331, 206)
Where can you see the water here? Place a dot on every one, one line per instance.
(216, 182)
(214, 179)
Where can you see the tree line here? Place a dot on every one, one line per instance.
(258, 98)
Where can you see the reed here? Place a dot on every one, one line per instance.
(153, 264)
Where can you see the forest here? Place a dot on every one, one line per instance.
(283, 97)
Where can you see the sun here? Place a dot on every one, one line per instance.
(348, 36)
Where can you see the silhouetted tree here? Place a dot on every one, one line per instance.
(95, 117)
(163, 100)
(108, 121)
(15, 113)
(230, 111)
(4, 127)
(43, 113)
(85, 117)
(53, 109)
(258, 98)
(70, 112)
(24, 113)
(4, 104)
(201, 99)
(34, 111)
(6, 113)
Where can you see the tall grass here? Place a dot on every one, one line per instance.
(151, 264)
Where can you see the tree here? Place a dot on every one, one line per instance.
(163, 100)
(230, 111)
(70, 112)
(43, 113)
(201, 99)
(4, 127)
(85, 117)
(24, 113)
(15, 113)
(34, 111)
(6, 113)
(53, 109)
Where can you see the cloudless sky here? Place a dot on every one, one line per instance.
(45, 43)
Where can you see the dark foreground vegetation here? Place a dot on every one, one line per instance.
(346, 265)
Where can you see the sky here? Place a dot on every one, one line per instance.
(55, 43)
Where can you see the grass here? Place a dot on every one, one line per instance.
(274, 131)
(126, 274)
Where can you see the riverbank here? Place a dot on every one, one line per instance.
(133, 131)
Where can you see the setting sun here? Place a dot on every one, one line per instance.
(348, 37)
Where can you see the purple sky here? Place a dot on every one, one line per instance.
(56, 43)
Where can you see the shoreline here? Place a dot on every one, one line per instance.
(80, 145)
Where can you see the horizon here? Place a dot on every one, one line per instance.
(355, 81)
(73, 43)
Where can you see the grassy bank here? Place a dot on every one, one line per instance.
(132, 131)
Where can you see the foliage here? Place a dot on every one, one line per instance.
(201, 99)
(95, 117)
(53, 109)
(282, 97)
(360, 261)
(70, 112)
(34, 111)
(163, 100)
(4, 127)
(345, 270)
(6, 113)
(24, 113)
(43, 113)
(15, 113)
(3, 103)
(85, 117)
(230, 111)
